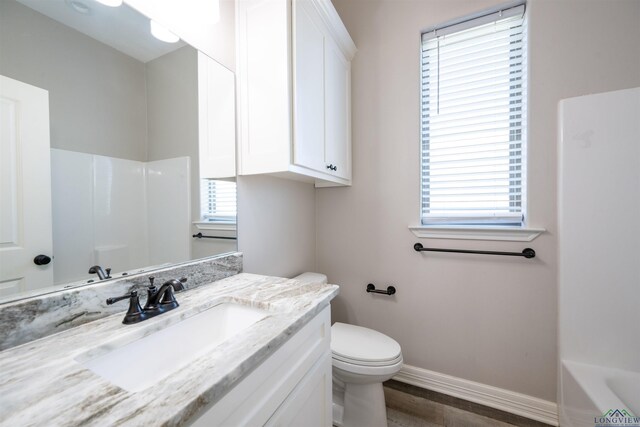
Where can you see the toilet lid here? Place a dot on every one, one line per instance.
(362, 344)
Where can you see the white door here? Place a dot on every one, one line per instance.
(25, 187)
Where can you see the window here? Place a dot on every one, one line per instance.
(218, 200)
(473, 121)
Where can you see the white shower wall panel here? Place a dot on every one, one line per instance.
(599, 224)
(169, 212)
(117, 213)
(120, 213)
(599, 263)
(72, 211)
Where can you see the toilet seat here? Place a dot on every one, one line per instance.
(368, 370)
(364, 351)
(366, 363)
(362, 344)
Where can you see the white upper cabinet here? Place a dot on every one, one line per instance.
(216, 119)
(294, 73)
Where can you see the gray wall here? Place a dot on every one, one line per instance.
(172, 113)
(276, 225)
(96, 94)
(491, 320)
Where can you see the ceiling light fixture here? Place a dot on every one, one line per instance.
(79, 7)
(110, 3)
(161, 33)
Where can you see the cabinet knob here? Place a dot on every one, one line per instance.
(332, 167)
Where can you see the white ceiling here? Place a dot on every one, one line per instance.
(122, 28)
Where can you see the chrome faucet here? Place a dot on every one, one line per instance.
(158, 301)
(102, 275)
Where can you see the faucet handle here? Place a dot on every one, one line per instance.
(108, 270)
(114, 300)
(134, 313)
(151, 294)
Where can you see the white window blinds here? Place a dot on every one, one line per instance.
(218, 200)
(473, 121)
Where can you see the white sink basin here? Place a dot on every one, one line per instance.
(144, 362)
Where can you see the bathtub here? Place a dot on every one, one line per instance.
(589, 391)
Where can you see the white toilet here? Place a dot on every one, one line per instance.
(362, 359)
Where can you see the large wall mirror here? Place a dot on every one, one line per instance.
(117, 147)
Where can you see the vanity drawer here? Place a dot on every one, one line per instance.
(257, 398)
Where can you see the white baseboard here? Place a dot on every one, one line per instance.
(494, 397)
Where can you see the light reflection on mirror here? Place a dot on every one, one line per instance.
(136, 125)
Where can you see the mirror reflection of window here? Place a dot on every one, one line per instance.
(218, 200)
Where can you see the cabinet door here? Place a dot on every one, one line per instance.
(216, 119)
(308, 72)
(309, 404)
(337, 110)
(264, 93)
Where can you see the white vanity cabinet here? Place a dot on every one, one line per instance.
(292, 387)
(294, 76)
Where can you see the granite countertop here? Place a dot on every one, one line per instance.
(41, 383)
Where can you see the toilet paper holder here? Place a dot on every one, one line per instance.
(371, 288)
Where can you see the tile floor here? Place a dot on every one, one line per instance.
(454, 418)
(410, 406)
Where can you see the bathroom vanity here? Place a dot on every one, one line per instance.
(240, 349)
(244, 350)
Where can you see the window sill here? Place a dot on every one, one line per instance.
(218, 226)
(510, 234)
